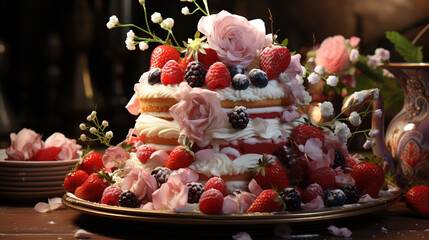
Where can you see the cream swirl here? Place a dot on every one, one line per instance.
(151, 126)
(145, 91)
(274, 90)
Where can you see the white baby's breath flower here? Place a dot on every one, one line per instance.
(368, 144)
(93, 130)
(332, 80)
(355, 119)
(342, 131)
(167, 24)
(299, 79)
(313, 78)
(354, 55)
(307, 98)
(311, 60)
(358, 97)
(319, 69)
(378, 113)
(382, 54)
(83, 137)
(130, 44)
(113, 20)
(373, 61)
(303, 71)
(376, 93)
(91, 116)
(185, 10)
(156, 17)
(109, 135)
(105, 123)
(326, 109)
(143, 46)
(82, 126)
(131, 34)
(374, 133)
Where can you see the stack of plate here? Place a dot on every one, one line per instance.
(33, 180)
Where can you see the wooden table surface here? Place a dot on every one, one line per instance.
(20, 221)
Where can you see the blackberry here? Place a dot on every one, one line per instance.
(154, 76)
(292, 198)
(195, 74)
(239, 118)
(195, 191)
(161, 174)
(335, 198)
(351, 192)
(339, 160)
(128, 199)
(287, 156)
(240, 82)
(258, 78)
(236, 69)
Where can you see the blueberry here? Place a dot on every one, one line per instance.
(236, 69)
(240, 81)
(335, 198)
(258, 78)
(154, 76)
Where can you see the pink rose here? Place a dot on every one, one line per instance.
(24, 145)
(354, 41)
(68, 146)
(114, 156)
(198, 110)
(333, 54)
(140, 182)
(172, 194)
(295, 67)
(235, 39)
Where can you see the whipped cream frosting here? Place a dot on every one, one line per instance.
(151, 126)
(274, 90)
(144, 90)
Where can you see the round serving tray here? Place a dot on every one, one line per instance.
(159, 216)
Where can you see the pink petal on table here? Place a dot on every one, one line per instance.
(54, 203)
(82, 234)
(339, 232)
(42, 207)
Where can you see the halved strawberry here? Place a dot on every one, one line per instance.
(162, 54)
(270, 174)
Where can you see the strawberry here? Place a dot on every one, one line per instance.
(274, 60)
(303, 132)
(75, 179)
(180, 157)
(93, 187)
(268, 201)
(369, 178)
(216, 183)
(324, 176)
(417, 199)
(311, 192)
(270, 173)
(111, 196)
(162, 54)
(92, 162)
(47, 154)
(218, 76)
(144, 152)
(171, 73)
(207, 58)
(211, 202)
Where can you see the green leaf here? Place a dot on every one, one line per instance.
(197, 34)
(285, 42)
(405, 47)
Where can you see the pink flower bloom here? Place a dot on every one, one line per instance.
(133, 106)
(235, 39)
(114, 156)
(340, 232)
(288, 116)
(254, 187)
(295, 67)
(24, 145)
(140, 182)
(68, 146)
(294, 90)
(198, 110)
(333, 54)
(187, 175)
(314, 204)
(237, 204)
(354, 41)
(172, 194)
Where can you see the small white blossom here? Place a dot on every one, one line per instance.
(156, 17)
(130, 44)
(342, 131)
(113, 20)
(368, 144)
(319, 69)
(374, 133)
(82, 126)
(354, 55)
(355, 119)
(131, 34)
(311, 60)
(93, 130)
(378, 113)
(373, 61)
(332, 80)
(109, 135)
(143, 46)
(326, 109)
(167, 24)
(313, 78)
(382, 53)
(105, 123)
(359, 97)
(376, 93)
(307, 98)
(185, 10)
(91, 116)
(83, 137)
(303, 71)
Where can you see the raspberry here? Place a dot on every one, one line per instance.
(161, 175)
(144, 152)
(154, 76)
(239, 118)
(218, 76)
(287, 156)
(216, 183)
(195, 191)
(240, 82)
(335, 198)
(351, 192)
(171, 73)
(211, 202)
(339, 160)
(111, 196)
(311, 192)
(324, 176)
(195, 74)
(292, 199)
(128, 199)
(258, 78)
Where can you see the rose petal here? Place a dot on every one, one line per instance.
(82, 234)
(339, 232)
(42, 207)
(54, 203)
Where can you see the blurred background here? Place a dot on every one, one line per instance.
(59, 62)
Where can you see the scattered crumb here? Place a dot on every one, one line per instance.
(383, 230)
(51, 222)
